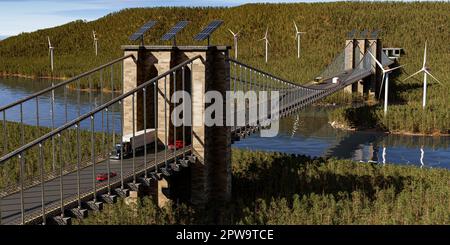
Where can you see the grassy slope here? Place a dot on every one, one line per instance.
(271, 188)
(405, 25)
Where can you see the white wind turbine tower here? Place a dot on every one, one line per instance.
(426, 71)
(266, 42)
(94, 35)
(297, 37)
(50, 47)
(235, 38)
(386, 85)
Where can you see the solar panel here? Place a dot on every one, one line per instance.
(364, 34)
(205, 33)
(351, 34)
(374, 34)
(137, 35)
(178, 27)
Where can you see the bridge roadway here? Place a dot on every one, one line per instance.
(10, 204)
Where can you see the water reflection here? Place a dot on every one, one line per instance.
(67, 104)
(310, 133)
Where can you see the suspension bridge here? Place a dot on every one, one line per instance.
(56, 170)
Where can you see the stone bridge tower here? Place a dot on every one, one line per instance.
(209, 179)
(357, 44)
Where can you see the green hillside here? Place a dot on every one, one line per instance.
(405, 25)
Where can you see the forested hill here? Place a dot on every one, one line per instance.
(405, 25)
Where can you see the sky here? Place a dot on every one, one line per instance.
(17, 16)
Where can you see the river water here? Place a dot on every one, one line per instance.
(307, 133)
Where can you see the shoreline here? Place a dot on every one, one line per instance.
(5, 74)
(104, 90)
(337, 125)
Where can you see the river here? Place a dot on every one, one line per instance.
(307, 133)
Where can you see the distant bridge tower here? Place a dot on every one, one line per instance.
(357, 44)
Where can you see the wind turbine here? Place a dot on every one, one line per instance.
(266, 42)
(297, 37)
(235, 38)
(385, 76)
(50, 47)
(94, 35)
(426, 71)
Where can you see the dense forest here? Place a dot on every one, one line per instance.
(274, 188)
(405, 25)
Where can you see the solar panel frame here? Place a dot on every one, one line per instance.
(364, 33)
(375, 34)
(351, 34)
(208, 30)
(174, 30)
(138, 34)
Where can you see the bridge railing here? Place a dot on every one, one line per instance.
(57, 104)
(244, 78)
(74, 145)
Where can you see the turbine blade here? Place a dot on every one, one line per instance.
(433, 77)
(296, 28)
(425, 55)
(267, 30)
(232, 32)
(49, 44)
(415, 73)
(395, 68)
(378, 63)
(381, 86)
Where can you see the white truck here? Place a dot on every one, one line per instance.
(335, 80)
(140, 138)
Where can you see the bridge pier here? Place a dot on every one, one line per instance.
(209, 177)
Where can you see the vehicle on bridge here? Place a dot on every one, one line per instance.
(140, 139)
(319, 80)
(335, 80)
(178, 145)
(104, 176)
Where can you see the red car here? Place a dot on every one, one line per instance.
(178, 144)
(104, 176)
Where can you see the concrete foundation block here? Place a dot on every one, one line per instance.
(94, 206)
(135, 186)
(59, 220)
(109, 199)
(79, 213)
(122, 192)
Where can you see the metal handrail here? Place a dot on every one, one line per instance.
(96, 110)
(32, 96)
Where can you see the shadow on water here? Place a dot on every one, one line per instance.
(310, 133)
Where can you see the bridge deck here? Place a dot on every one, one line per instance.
(10, 205)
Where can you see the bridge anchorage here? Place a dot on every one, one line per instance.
(151, 136)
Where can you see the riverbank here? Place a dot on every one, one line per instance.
(341, 126)
(6, 74)
(69, 86)
(275, 188)
(400, 119)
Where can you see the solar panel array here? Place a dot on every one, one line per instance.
(137, 35)
(351, 34)
(205, 33)
(374, 34)
(178, 27)
(364, 33)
